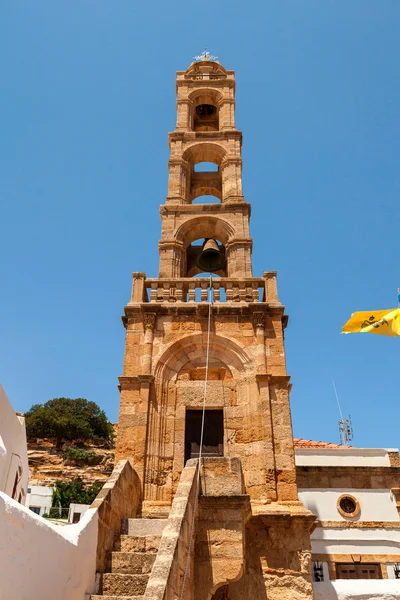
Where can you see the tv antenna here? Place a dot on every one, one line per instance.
(345, 428)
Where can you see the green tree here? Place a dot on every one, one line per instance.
(67, 492)
(68, 419)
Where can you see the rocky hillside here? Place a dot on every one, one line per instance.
(89, 462)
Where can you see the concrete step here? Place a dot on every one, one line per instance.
(136, 543)
(122, 584)
(131, 562)
(116, 597)
(143, 527)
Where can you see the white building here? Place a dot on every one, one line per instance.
(14, 472)
(355, 494)
(39, 499)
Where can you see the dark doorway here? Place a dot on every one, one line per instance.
(213, 437)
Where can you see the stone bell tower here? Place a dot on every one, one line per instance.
(247, 401)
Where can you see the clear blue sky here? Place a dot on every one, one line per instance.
(87, 99)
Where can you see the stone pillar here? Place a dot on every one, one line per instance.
(132, 422)
(231, 170)
(227, 114)
(279, 388)
(149, 322)
(178, 181)
(183, 115)
(138, 287)
(271, 291)
(259, 327)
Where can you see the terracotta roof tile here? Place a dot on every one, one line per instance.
(300, 443)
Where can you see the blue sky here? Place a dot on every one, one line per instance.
(87, 98)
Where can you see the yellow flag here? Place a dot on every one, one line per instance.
(383, 322)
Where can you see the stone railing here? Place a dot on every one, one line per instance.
(196, 289)
(166, 576)
(118, 499)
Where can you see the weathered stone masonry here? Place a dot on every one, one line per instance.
(165, 355)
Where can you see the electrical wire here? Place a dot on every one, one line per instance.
(201, 445)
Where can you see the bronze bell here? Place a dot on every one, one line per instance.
(212, 257)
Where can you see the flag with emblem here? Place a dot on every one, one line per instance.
(383, 322)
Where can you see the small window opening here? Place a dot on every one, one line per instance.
(358, 571)
(213, 437)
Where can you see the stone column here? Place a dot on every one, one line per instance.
(259, 326)
(138, 287)
(183, 115)
(149, 322)
(227, 114)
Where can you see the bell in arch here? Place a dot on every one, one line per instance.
(212, 256)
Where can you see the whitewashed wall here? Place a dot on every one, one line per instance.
(41, 496)
(13, 450)
(343, 457)
(376, 505)
(44, 561)
(358, 589)
(355, 541)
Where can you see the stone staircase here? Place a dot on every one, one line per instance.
(129, 565)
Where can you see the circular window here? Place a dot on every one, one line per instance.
(348, 506)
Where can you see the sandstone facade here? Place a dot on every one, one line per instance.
(165, 366)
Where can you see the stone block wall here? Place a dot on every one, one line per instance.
(118, 499)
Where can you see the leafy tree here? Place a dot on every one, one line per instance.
(68, 492)
(68, 419)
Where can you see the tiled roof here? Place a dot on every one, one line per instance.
(300, 443)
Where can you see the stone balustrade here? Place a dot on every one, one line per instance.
(190, 289)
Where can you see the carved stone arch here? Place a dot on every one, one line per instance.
(193, 347)
(204, 152)
(205, 96)
(204, 227)
(198, 228)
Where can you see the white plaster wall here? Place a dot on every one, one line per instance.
(358, 589)
(376, 505)
(39, 495)
(355, 541)
(77, 508)
(343, 457)
(13, 449)
(57, 562)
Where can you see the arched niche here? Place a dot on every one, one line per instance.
(200, 228)
(204, 182)
(192, 350)
(205, 106)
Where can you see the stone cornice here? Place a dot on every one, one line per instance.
(126, 382)
(192, 308)
(198, 209)
(359, 524)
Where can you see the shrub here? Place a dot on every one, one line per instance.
(77, 456)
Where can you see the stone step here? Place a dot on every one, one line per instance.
(122, 584)
(136, 543)
(131, 562)
(143, 527)
(96, 597)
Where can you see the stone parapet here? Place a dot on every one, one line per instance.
(119, 498)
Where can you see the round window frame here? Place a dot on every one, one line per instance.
(345, 514)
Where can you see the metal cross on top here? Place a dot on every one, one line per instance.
(205, 56)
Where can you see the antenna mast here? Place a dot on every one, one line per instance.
(345, 428)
